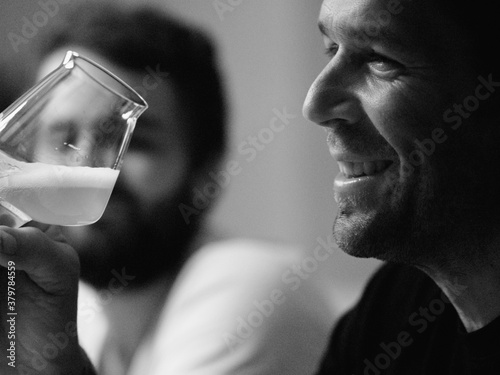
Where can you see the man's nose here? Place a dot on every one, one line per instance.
(332, 96)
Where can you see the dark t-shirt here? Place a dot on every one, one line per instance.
(404, 325)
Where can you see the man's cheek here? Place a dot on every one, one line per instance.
(403, 124)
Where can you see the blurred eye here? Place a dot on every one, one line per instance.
(141, 140)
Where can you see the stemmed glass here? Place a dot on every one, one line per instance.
(62, 145)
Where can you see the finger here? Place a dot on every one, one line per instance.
(53, 231)
(51, 264)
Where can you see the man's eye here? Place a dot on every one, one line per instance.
(331, 50)
(383, 64)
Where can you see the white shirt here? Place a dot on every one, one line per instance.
(237, 307)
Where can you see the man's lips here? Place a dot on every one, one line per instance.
(354, 169)
(362, 179)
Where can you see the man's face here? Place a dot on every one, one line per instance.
(136, 230)
(386, 99)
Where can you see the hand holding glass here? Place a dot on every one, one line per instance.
(62, 145)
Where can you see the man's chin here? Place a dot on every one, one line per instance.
(373, 235)
(349, 232)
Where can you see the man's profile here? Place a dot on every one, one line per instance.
(408, 98)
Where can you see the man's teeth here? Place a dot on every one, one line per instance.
(367, 168)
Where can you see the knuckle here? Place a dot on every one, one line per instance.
(32, 233)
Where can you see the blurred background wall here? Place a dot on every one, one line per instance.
(270, 52)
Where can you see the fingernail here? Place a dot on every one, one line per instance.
(8, 243)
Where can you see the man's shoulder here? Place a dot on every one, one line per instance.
(392, 296)
(243, 258)
(230, 308)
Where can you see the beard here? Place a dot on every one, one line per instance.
(127, 241)
(430, 219)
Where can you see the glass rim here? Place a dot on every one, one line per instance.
(72, 56)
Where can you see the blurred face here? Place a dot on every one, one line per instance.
(386, 99)
(137, 231)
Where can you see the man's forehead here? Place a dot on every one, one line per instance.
(373, 16)
(405, 25)
(371, 7)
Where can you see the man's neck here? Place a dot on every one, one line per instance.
(134, 312)
(131, 316)
(474, 291)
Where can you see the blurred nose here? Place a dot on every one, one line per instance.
(331, 97)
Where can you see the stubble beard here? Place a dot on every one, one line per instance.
(425, 223)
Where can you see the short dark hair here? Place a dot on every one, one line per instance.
(141, 37)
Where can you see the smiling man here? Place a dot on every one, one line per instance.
(408, 99)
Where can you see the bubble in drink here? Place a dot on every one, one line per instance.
(54, 194)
